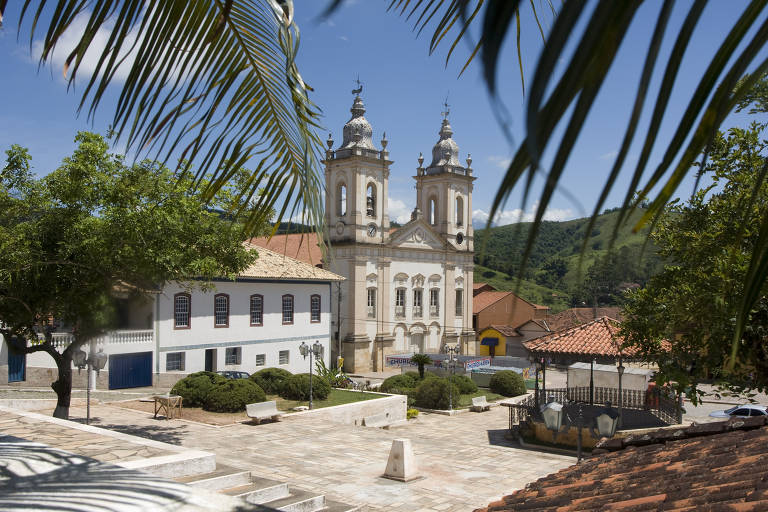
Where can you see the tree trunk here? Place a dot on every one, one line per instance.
(63, 388)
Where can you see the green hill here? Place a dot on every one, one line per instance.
(554, 274)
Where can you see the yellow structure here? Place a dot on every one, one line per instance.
(493, 341)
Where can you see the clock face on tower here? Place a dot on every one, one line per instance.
(371, 230)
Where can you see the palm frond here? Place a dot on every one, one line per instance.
(214, 81)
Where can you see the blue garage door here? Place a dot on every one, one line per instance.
(17, 367)
(130, 370)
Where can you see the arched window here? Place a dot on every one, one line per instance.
(257, 310)
(459, 211)
(182, 306)
(370, 200)
(341, 198)
(432, 211)
(221, 310)
(314, 309)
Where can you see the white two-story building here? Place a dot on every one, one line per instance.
(257, 321)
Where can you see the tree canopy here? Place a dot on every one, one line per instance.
(95, 227)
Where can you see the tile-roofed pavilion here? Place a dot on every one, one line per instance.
(596, 339)
(708, 467)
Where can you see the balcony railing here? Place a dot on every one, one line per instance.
(399, 311)
(371, 312)
(434, 311)
(64, 339)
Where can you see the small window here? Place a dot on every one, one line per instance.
(221, 310)
(371, 302)
(181, 307)
(287, 309)
(232, 355)
(459, 211)
(370, 200)
(174, 362)
(283, 357)
(432, 211)
(400, 302)
(417, 294)
(257, 310)
(434, 302)
(261, 359)
(459, 302)
(314, 309)
(341, 205)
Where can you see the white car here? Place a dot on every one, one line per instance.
(741, 411)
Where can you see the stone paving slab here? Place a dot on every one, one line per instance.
(465, 460)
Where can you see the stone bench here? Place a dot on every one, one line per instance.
(376, 420)
(262, 410)
(480, 404)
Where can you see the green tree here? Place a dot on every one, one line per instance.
(71, 240)
(694, 302)
(421, 360)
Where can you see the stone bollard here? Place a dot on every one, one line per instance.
(402, 463)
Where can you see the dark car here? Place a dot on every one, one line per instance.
(230, 374)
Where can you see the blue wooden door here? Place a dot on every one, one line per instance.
(17, 367)
(130, 370)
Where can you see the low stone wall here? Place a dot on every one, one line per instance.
(38, 404)
(37, 377)
(393, 406)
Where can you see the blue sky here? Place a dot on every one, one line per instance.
(404, 90)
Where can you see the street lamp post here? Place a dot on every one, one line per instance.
(94, 361)
(315, 350)
(606, 421)
(452, 351)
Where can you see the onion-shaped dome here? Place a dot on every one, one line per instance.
(446, 151)
(358, 132)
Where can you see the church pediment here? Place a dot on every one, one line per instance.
(417, 234)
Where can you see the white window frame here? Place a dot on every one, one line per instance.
(284, 357)
(233, 355)
(174, 364)
(263, 358)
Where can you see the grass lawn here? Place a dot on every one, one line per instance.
(337, 397)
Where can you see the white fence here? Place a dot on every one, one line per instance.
(64, 339)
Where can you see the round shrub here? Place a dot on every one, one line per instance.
(435, 394)
(296, 387)
(397, 383)
(194, 388)
(232, 395)
(411, 413)
(507, 383)
(412, 374)
(465, 384)
(271, 379)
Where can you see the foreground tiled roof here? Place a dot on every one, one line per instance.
(301, 246)
(577, 316)
(597, 338)
(485, 299)
(710, 467)
(272, 265)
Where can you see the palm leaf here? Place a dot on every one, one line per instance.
(214, 81)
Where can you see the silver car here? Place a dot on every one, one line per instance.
(741, 411)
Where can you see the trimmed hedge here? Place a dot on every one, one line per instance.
(465, 384)
(435, 394)
(296, 387)
(507, 383)
(399, 382)
(271, 379)
(232, 395)
(195, 387)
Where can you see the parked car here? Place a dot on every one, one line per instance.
(230, 374)
(741, 411)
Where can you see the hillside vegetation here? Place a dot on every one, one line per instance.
(557, 273)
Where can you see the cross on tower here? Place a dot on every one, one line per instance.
(359, 89)
(447, 108)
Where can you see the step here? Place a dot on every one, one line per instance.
(260, 490)
(337, 506)
(299, 501)
(223, 478)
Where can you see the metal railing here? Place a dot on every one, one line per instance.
(399, 311)
(371, 312)
(416, 311)
(434, 311)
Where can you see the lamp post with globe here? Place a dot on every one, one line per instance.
(316, 350)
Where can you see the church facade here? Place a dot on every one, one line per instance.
(407, 289)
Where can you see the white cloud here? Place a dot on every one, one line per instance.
(71, 37)
(344, 38)
(609, 156)
(500, 161)
(504, 217)
(398, 211)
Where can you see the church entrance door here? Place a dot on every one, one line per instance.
(417, 343)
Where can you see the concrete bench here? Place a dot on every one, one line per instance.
(480, 404)
(376, 420)
(262, 410)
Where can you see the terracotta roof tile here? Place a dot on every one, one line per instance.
(485, 299)
(272, 265)
(598, 338)
(577, 316)
(506, 330)
(722, 471)
(301, 246)
(477, 285)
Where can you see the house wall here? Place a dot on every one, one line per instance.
(268, 339)
(501, 348)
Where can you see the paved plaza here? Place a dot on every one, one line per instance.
(465, 460)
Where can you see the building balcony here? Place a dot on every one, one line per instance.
(123, 337)
(434, 311)
(371, 312)
(399, 311)
(417, 312)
